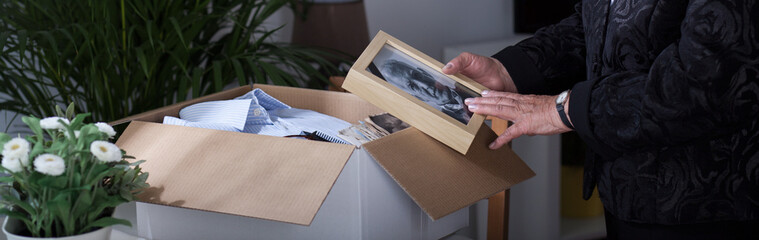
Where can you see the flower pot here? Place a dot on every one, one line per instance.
(12, 227)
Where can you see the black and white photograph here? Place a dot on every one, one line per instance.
(388, 122)
(423, 82)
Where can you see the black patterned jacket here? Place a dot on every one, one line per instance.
(666, 95)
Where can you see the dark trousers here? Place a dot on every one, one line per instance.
(618, 229)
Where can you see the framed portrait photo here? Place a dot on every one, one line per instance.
(411, 86)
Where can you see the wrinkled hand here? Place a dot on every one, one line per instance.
(531, 114)
(485, 70)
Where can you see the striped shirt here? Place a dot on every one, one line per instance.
(259, 113)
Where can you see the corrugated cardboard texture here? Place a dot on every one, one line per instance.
(235, 173)
(441, 180)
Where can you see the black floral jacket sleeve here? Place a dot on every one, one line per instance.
(702, 85)
(668, 75)
(551, 61)
(668, 105)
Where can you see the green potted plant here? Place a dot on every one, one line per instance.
(119, 58)
(65, 180)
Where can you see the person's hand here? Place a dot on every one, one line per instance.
(531, 114)
(485, 70)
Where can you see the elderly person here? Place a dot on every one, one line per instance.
(666, 96)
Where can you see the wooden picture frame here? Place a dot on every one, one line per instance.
(411, 86)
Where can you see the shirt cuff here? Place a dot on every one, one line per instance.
(579, 111)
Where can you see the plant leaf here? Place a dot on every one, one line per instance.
(70, 110)
(33, 124)
(143, 61)
(217, 72)
(178, 30)
(60, 207)
(83, 203)
(79, 119)
(4, 138)
(59, 111)
(196, 74)
(238, 71)
(22, 43)
(3, 39)
(37, 149)
(19, 203)
(95, 55)
(16, 215)
(54, 182)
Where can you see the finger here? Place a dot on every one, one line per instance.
(490, 93)
(510, 134)
(491, 101)
(462, 63)
(504, 112)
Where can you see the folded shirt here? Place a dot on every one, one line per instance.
(221, 115)
(259, 113)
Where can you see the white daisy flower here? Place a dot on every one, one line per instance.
(17, 148)
(49, 164)
(53, 123)
(105, 151)
(12, 164)
(105, 128)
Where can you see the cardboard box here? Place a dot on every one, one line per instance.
(271, 187)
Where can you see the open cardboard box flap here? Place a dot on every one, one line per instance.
(288, 179)
(230, 172)
(441, 180)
